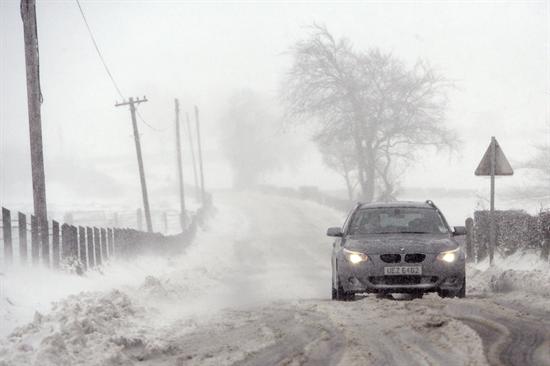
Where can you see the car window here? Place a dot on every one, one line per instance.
(348, 219)
(397, 220)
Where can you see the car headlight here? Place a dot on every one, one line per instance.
(449, 256)
(355, 257)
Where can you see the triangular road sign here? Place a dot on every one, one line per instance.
(502, 166)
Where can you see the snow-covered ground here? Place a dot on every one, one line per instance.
(253, 289)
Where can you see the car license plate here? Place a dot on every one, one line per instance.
(414, 270)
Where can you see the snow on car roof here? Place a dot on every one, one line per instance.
(397, 204)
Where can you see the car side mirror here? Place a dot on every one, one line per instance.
(459, 230)
(335, 231)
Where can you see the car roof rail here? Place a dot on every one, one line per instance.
(357, 206)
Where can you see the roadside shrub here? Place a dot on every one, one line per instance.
(544, 228)
(515, 229)
(544, 223)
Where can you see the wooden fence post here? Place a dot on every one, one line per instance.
(78, 266)
(110, 242)
(135, 243)
(55, 244)
(469, 239)
(121, 245)
(65, 241)
(115, 240)
(82, 247)
(104, 244)
(90, 244)
(6, 228)
(128, 241)
(97, 247)
(22, 224)
(74, 242)
(34, 240)
(69, 242)
(119, 241)
(45, 244)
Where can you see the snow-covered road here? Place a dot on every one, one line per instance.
(254, 290)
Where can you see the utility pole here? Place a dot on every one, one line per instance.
(34, 100)
(191, 145)
(203, 196)
(183, 213)
(132, 103)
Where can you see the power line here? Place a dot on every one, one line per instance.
(147, 124)
(98, 51)
(115, 84)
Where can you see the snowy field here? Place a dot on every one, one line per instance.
(253, 289)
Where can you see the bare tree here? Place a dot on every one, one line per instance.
(387, 111)
(338, 155)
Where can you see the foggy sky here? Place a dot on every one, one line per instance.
(497, 53)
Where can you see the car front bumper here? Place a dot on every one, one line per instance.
(369, 276)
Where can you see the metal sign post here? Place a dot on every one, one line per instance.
(493, 163)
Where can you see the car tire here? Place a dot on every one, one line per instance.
(334, 290)
(462, 292)
(340, 294)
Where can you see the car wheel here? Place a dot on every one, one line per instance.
(462, 292)
(459, 293)
(340, 294)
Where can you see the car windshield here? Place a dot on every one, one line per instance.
(397, 220)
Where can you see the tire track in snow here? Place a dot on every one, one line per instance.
(508, 337)
(304, 338)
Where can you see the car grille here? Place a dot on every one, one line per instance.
(414, 258)
(391, 258)
(402, 280)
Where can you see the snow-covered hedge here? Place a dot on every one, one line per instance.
(516, 230)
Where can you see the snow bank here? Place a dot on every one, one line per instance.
(70, 329)
(25, 290)
(524, 272)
